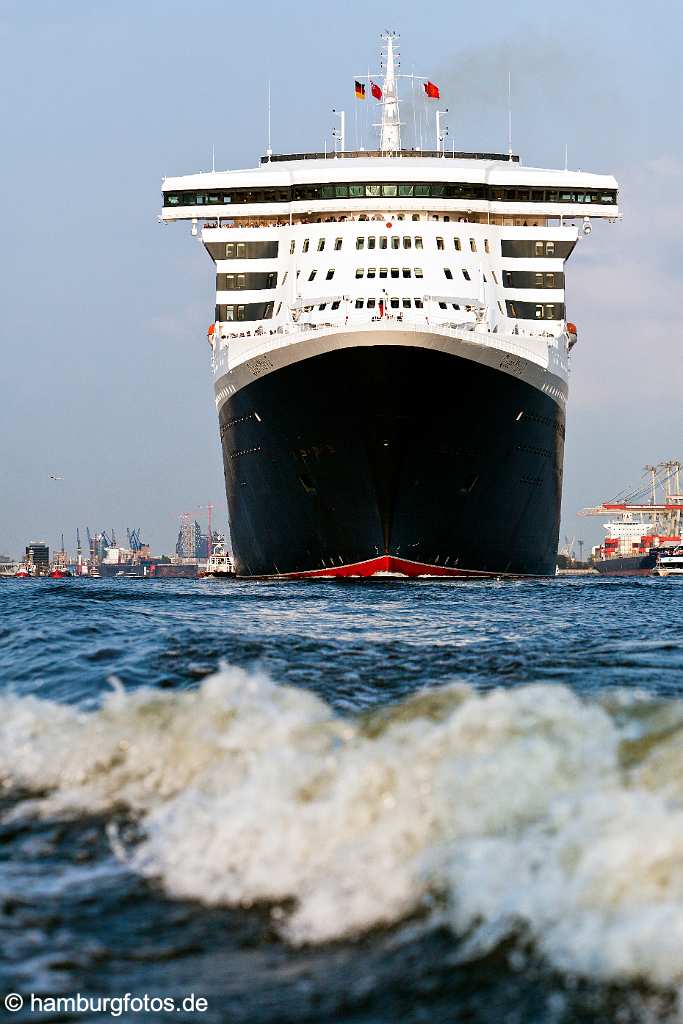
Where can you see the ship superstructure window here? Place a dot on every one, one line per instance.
(418, 303)
(395, 272)
(418, 272)
(337, 244)
(461, 190)
(487, 247)
(335, 304)
(242, 250)
(291, 247)
(311, 276)
(330, 274)
(530, 279)
(457, 244)
(360, 242)
(383, 242)
(535, 311)
(247, 311)
(407, 272)
(285, 276)
(528, 248)
(395, 242)
(371, 303)
(372, 271)
(245, 282)
(407, 242)
(448, 273)
(359, 272)
(439, 243)
(321, 244)
(493, 275)
(418, 242)
(394, 302)
(466, 275)
(473, 245)
(359, 303)
(305, 246)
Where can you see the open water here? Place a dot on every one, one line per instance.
(373, 802)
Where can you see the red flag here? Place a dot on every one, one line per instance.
(376, 91)
(432, 90)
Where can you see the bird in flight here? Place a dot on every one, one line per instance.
(53, 476)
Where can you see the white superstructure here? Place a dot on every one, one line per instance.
(469, 251)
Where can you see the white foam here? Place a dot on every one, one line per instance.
(524, 808)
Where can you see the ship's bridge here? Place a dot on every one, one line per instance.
(313, 184)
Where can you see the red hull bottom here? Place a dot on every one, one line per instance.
(389, 565)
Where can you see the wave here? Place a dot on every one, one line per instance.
(522, 810)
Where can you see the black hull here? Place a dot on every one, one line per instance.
(627, 565)
(397, 451)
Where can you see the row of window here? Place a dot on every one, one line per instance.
(245, 282)
(511, 278)
(529, 279)
(245, 311)
(243, 250)
(531, 248)
(525, 248)
(535, 310)
(462, 190)
(250, 311)
(385, 272)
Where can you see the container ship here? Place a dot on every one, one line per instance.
(643, 525)
(390, 348)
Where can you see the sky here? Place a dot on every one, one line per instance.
(103, 311)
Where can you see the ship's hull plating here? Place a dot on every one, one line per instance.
(389, 459)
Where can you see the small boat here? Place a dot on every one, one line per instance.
(57, 573)
(669, 564)
(218, 565)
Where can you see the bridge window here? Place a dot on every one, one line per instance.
(389, 191)
(535, 311)
(405, 191)
(356, 191)
(373, 191)
(541, 248)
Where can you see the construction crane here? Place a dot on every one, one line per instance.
(134, 542)
(79, 551)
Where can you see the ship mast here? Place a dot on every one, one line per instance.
(390, 134)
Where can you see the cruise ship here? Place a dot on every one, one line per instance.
(390, 350)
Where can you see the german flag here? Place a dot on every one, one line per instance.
(360, 91)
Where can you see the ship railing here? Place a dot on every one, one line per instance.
(545, 354)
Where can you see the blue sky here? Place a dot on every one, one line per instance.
(104, 311)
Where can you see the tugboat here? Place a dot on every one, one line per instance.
(218, 565)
